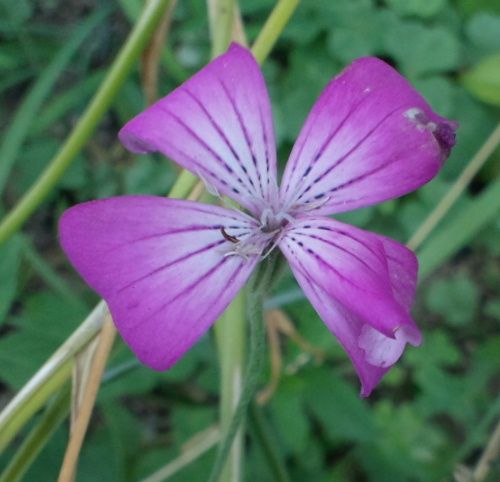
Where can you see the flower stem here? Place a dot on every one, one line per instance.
(123, 64)
(221, 16)
(259, 287)
(183, 185)
(272, 28)
(230, 335)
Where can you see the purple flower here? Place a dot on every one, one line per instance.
(168, 268)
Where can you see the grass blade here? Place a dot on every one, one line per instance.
(455, 234)
(20, 125)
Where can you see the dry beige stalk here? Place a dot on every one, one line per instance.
(79, 428)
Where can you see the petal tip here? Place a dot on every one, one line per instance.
(133, 142)
(442, 130)
(445, 135)
(237, 47)
(366, 390)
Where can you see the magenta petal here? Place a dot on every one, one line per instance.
(403, 270)
(369, 137)
(361, 285)
(159, 264)
(217, 125)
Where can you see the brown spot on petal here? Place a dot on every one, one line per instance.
(445, 135)
(443, 130)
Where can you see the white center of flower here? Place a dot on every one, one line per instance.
(262, 239)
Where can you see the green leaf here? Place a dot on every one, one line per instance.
(72, 99)
(287, 409)
(492, 308)
(469, 7)
(148, 175)
(309, 70)
(10, 261)
(45, 322)
(124, 434)
(455, 299)
(483, 31)
(337, 406)
(17, 12)
(405, 450)
(440, 92)
(311, 328)
(190, 419)
(359, 217)
(443, 392)
(99, 461)
(358, 32)
(420, 8)
(422, 50)
(483, 80)
(134, 382)
(437, 349)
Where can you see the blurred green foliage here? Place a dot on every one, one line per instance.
(433, 410)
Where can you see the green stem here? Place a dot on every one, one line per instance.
(221, 16)
(54, 415)
(260, 429)
(123, 64)
(259, 287)
(183, 185)
(51, 375)
(230, 329)
(230, 335)
(33, 404)
(273, 27)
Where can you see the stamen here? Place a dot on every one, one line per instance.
(231, 239)
(310, 206)
(267, 251)
(260, 240)
(264, 217)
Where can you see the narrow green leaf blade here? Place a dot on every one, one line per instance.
(461, 230)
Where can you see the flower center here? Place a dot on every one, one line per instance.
(260, 240)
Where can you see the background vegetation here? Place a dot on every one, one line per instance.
(436, 409)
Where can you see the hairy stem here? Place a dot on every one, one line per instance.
(259, 287)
